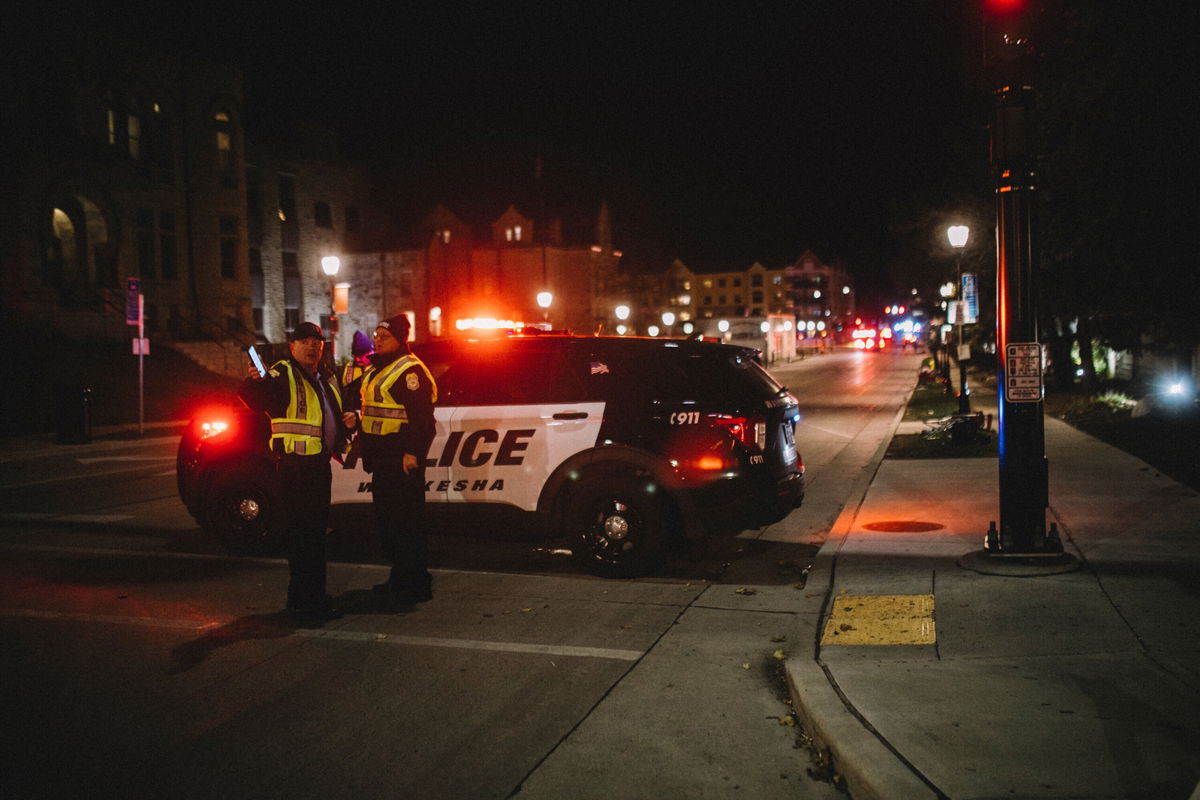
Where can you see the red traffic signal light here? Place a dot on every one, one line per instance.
(1004, 8)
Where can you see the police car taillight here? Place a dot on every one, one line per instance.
(212, 427)
(750, 431)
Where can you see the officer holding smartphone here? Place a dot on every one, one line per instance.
(308, 428)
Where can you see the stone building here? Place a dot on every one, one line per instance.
(117, 167)
(456, 274)
(134, 164)
(305, 203)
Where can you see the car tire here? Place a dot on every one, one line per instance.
(244, 510)
(618, 527)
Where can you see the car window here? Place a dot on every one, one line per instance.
(643, 374)
(511, 374)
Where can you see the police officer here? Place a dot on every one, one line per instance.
(308, 427)
(397, 397)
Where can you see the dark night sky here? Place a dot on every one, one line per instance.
(730, 132)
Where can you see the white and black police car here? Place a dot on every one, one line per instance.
(625, 446)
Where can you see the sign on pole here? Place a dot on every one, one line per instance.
(1023, 373)
(970, 296)
(133, 310)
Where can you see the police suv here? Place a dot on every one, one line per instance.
(623, 445)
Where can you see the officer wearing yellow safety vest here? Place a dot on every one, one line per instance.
(308, 428)
(397, 394)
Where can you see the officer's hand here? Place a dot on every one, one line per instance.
(410, 464)
(350, 419)
(252, 372)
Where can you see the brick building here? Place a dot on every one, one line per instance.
(493, 268)
(122, 167)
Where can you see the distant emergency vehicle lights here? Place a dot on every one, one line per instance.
(486, 323)
(869, 338)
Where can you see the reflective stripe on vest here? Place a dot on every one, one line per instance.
(381, 414)
(300, 429)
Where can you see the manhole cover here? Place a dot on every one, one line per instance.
(903, 526)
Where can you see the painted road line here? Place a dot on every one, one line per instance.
(365, 637)
(39, 516)
(98, 459)
(889, 619)
(84, 477)
(474, 644)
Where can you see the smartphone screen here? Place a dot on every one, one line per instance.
(257, 359)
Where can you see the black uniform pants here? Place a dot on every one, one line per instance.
(401, 520)
(306, 508)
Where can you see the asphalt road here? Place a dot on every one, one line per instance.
(140, 660)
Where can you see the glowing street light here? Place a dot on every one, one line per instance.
(544, 299)
(957, 234)
(330, 266)
(622, 312)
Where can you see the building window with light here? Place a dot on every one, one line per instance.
(291, 290)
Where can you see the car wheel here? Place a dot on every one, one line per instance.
(618, 526)
(244, 511)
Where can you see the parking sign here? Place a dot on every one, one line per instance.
(1023, 372)
(133, 288)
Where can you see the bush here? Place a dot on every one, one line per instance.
(1099, 410)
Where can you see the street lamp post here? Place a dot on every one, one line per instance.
(668, 319)
(330, 266)
(957, 235)
(544, 299)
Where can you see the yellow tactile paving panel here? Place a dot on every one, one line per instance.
(880, 619)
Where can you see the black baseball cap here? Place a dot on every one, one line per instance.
(306, 330)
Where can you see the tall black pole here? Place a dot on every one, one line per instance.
(964, 391)
(1024, 493)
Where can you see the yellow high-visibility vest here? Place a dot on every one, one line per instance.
(300, 428)
(381, 414)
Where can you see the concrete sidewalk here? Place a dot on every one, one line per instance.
(934, 680)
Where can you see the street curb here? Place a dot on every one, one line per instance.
(871, 769)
